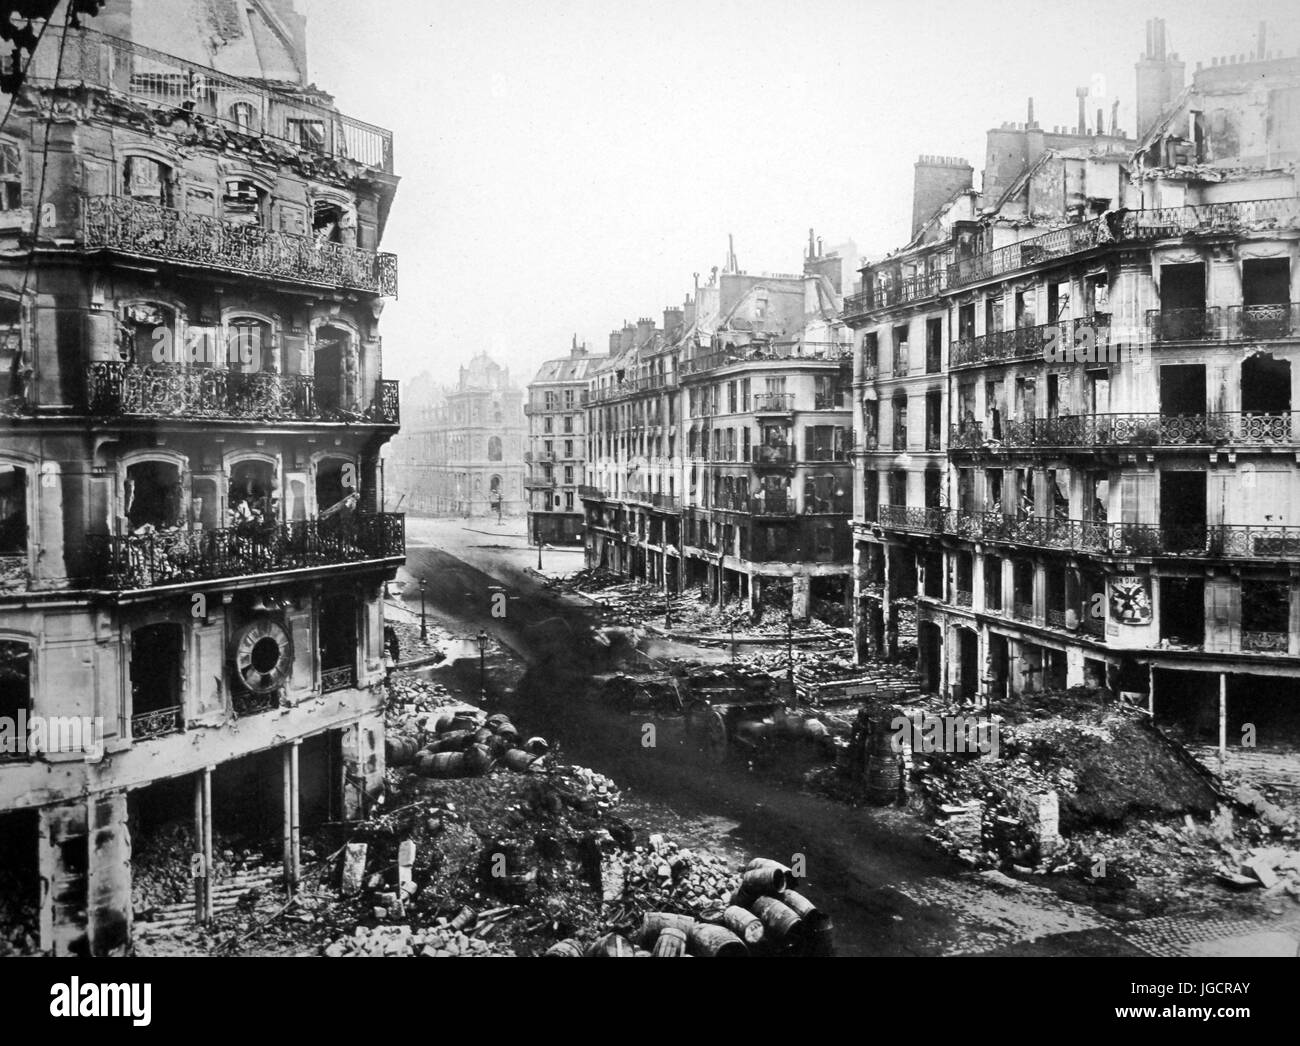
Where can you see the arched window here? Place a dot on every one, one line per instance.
(152, 497)
(494, 448)
(248, 344)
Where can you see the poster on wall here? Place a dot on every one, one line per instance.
(1130, 600)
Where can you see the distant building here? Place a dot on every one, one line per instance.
(719, 445)
(463, 453)
(557, 446)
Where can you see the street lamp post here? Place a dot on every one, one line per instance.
(424, 624)
(482, 665)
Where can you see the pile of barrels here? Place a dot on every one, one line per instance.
(458, 744)
(766, 917)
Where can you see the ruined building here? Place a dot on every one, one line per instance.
(1093, 478)
(557, 446)
(461, 451)
(191, 547)
(718, 444)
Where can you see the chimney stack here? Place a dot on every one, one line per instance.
(935, 179)
(1081, 94)
(1031, 113)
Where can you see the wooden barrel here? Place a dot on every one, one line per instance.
(569, 949)
(504, 727)
(498, 746)
(400, 751)
(477, 759)
(611, 946)
(884, 768)
(653, 922)
(763, 882)
(518, 760)
(745, 925)
(715, 942)
(481, 735)
(671, 943)
(464, 721)
(496, 718)
(812, 916)
(452, 741)
(779, 921)
(442, 764)
(791, 880)
(440, 721)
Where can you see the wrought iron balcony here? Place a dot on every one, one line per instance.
(176, 391)
(772, 505)
(762, 454)
(590, 493)
(1262, 322)
(1004, 346)
(1093, 625)
(1184, 324)
(964, 598)
(332, 679)
(773, 403)
(145, 725)
(911, 517)
(228, 105)
(145, 230)
(1234, 323)
(1100, 431)
(1264, 642)
(179, 557)
(1139, 226)
(899, 292)
(246, 703)
(666, 502)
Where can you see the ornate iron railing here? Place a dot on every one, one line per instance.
(1022, 611)
(1233, 323)
(899, 292)
(146, 230)
(1260, 322)
(964, 598)
(1240, 428)
(773, 402)
(156, 723)
(1055, 618)
(1094, 626)
(1184, 324)
(1127, 227)
(591, 493)
(177, 557)
(173, 390)
(1267, 642)
(246, 703)
(332, 679)
(1005, 346)
(908, 517)
(666, 502)
(772, 505)
(207, 97)
(762, 454)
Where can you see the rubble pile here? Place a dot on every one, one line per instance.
(402, 941)
(660, 876)
(20, 930)
(160, 866)
(410, 646)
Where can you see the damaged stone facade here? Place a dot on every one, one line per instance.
(718, 449)
(1108, 493)
(461, 451)
(193, 548)
(557, 446)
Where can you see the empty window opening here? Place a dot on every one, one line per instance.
(147, 180)
(1182, 389)
(251, 494)
(157, 656)
(153, 496)
(1182, 301)
(243, 202)
(1182, 611)
(933, 345)
(992, 583)
(146, 334)
(1265, 614)
(1265, 385)
(13, 511)
(1182, 511)
(338, 640)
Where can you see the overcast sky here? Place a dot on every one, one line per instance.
(567, 165)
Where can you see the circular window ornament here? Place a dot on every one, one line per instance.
(263, 655)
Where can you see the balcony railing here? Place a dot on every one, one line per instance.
(1019, 343)
(1022, 611)
(1233, 323)
(173, 390)
(246, 703)
(666, 502)
(1234, 428)
(713, 360)
(772, 505)
(1130, 227)
(332, 679)
(900, 292)
(964, 598)
(1093, 625)
(762, 454)
(773, 402)
(208, 98)
(591, 493)
(183, 556)
(145, 725)
(1265, 642)
(908, 517)
(146, 230)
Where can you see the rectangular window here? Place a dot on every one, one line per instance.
(568, 473)
(548, 424)
(568, 448)
(568, 500)
(11, 177)
(568, 399)
(568, 423)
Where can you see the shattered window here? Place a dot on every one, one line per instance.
(243, 202)
(11, 177)
(147, 180)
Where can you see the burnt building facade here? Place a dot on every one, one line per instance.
(719, 443)
(1108, 494)
(193, 542)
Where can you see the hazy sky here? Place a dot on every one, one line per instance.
(567, 165)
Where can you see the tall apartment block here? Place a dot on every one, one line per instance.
(461, 449)
(557, 446)
(1093, 477)
(719, 444)
(191, 547)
